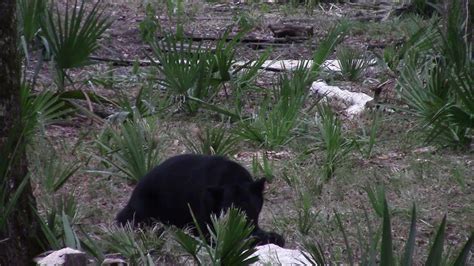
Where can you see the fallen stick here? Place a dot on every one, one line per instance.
(268, 65)
(248, 39)
(291, 30)
(121, 62)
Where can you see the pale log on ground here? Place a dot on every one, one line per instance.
(274, 255)
(64, 257)
(289, 64)
(355, 100)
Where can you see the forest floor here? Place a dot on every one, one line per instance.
(440, 181)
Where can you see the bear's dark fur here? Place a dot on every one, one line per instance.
(209, 184)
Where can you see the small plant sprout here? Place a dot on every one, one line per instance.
(306, 214)
(368, 139)
(263, 166)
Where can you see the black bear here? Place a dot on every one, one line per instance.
(209, 184)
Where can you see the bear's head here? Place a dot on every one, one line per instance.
(247, 197)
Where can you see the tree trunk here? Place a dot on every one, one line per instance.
(18, 244)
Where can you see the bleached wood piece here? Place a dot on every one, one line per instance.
(355, 100)
(274, 255)
(64, 257)
(289, 64)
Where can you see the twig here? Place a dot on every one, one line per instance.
(121, 62)
(248, 39)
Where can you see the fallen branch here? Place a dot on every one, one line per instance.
(248, 39)
(375, 18)
(121, 62)
(268, 65)
(381, 5)
(291, 30)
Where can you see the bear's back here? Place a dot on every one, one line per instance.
(196, 172)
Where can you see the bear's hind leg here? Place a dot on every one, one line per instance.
(128, 214)
(263, 238)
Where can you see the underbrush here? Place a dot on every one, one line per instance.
(326, 171)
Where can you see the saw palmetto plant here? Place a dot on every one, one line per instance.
(186, 71)
(130, 149)
(72, 37)
(437, 84)
(229, 243)
(353, 62)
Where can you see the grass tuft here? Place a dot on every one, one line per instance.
(353, 62)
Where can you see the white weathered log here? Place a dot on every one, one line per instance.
(64, 257)
(355, 100)
(289, 64)
(274, 255)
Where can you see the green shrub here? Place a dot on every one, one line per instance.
(420, 35)
(366, 142)
(247, 20)
(277, 117)
(186, 71)
(263, 166)
(306, 219)
(213, 141)
(37, 111)
(353, 62)
(136, 245)
(335, 35)
(387, 254)
(30, 14)
(437, 85)
(150, 24)
(224, 57)
(331, 140)
(49, 170)
(242, 81)
(58, 231)
(230, 241)
(72, 38)
(131, 150)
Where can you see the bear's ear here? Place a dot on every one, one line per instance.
(216, 193)
(258, 186)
